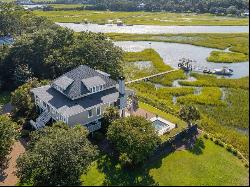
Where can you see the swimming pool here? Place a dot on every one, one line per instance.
(161, 125)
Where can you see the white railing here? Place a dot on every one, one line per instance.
(41, 120)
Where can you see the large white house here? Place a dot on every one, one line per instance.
(80, 96)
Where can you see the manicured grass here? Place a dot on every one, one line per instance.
(213, 166)
(207, 164)
(227, 57)
(142, 18)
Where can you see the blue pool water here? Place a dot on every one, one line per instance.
(159, 125)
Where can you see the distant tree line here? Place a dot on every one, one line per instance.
(219, 7)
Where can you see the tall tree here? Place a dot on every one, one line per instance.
(23, 101)
(8, 133)
(51, 52)
(111, 114)
(58, 156)
(190, 114)
(134, 137)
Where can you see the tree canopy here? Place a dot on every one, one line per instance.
(57, 156)
(189, 114)
(50, 53)
(110, 114)
(23, 101)
(134, 137)
(45, 50)
(198, 6)
(8, 133)
(15, 20)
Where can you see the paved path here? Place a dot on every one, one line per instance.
(9, 179)
(151, 76)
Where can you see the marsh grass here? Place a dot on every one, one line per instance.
(141, 18)
(213, 81)
(131, 71)
(227, 57)
(209, 96)
(237, 43)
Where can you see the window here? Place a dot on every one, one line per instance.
(90, 90)
(101, 87)
(93, 89)
(98, 111)
(90, 114)
(97, 88)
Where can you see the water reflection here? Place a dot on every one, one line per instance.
(154, 29)
(172, 52)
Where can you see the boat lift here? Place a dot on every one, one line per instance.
(185, 64)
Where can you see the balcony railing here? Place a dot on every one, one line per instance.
(94, 126)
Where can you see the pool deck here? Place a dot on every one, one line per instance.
(143, 113)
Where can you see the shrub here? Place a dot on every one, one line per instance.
(134, 136)
(229, 148)
(220, 143)
(246, 165)
(206, 136)
(216, 141)
(234, 151)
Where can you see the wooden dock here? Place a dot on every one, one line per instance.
(150, 76)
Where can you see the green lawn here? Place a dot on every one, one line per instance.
(142, 18)
(206, 165)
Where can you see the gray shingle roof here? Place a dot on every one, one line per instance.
(63, 82)
(77, 87)
(93, 81)
(68, 107)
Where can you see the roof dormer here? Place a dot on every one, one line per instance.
(82, 81)
(62, 83)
